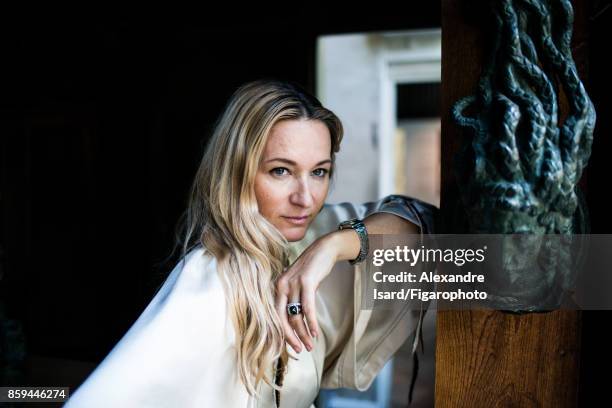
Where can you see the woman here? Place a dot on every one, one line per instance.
(215, 334)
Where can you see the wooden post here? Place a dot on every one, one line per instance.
(490, 358)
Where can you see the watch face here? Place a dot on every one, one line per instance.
(349, 223)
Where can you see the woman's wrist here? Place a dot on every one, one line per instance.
(343, 244)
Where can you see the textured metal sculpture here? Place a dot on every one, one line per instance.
(520, 172)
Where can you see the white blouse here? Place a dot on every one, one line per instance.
(181, 350)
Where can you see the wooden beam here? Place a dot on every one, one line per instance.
(488, 358)
(494, 359)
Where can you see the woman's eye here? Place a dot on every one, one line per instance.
(320, 172)
(279, 171)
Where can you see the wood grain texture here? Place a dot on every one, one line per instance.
(494, 359)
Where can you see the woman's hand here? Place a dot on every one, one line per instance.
(300, 281)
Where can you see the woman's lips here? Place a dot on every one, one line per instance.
(297, 220)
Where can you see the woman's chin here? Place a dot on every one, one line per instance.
(294, 234)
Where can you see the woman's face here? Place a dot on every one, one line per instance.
(293, 176)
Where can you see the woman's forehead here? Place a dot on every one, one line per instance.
(299, 141)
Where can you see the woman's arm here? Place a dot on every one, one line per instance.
(301, 280)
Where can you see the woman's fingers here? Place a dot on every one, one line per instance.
(297, 321)
(298, 284)
(309, 308)
(290, 337)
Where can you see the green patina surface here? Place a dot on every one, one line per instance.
(520, 169)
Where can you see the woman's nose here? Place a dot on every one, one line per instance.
(301, 195)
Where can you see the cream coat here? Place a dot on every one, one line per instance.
(180, 352)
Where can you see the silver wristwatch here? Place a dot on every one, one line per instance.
(362, 232)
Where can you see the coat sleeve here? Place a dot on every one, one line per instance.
(177, 354)
(359, 341)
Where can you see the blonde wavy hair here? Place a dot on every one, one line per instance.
(223, 216)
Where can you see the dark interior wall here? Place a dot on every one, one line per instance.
(103, 121)
(595, 348)
(598, 86)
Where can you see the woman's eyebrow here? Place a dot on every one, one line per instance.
(291, 162)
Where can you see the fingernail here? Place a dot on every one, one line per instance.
(315, 334)
(309, 348)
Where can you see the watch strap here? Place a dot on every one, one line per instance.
(359, 227)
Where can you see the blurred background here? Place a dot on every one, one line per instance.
(103, 120)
